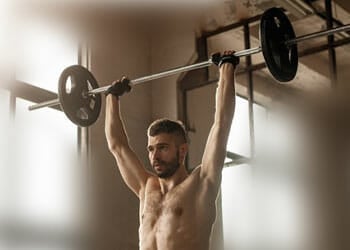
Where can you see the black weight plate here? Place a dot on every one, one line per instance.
(281, 60)
(74, 83)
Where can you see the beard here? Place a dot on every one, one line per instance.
(170, 167)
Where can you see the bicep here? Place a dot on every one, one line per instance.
(131, 169)
(214, 153)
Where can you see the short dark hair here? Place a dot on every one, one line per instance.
(168, 126)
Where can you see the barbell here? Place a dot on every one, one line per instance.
(80, 97)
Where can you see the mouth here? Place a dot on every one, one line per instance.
(157, 166)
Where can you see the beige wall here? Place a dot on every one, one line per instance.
(171, 46)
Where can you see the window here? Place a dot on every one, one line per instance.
(237, 185)
(45, 158)
(237, 207)
(261, 207)
(39, 173)
(239, 137)
(45, 50)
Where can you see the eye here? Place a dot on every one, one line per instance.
(163, 147)
(150, 149)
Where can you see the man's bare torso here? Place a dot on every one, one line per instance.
(181, 218)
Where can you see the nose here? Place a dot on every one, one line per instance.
(155, 155)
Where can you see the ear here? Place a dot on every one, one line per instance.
(183, 149)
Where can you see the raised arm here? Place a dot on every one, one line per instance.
(130, 167)
(215, 149)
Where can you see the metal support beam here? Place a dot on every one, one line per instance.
(250, 89)
(331, 50)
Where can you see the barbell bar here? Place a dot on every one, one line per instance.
(317, 34)
(278, 45)
(150, 77)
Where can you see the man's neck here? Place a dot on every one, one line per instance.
(167, 184)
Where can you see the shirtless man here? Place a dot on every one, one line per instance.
(177, 209)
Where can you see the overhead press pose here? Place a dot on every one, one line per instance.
(177, 209)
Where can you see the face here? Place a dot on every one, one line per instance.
(163, 154)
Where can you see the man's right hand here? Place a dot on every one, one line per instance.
(119, 87)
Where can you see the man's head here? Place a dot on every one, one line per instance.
(167, 146)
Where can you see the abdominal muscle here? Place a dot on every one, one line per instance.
(169, 232)
(168, 235)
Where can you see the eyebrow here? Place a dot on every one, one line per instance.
(157, 145)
